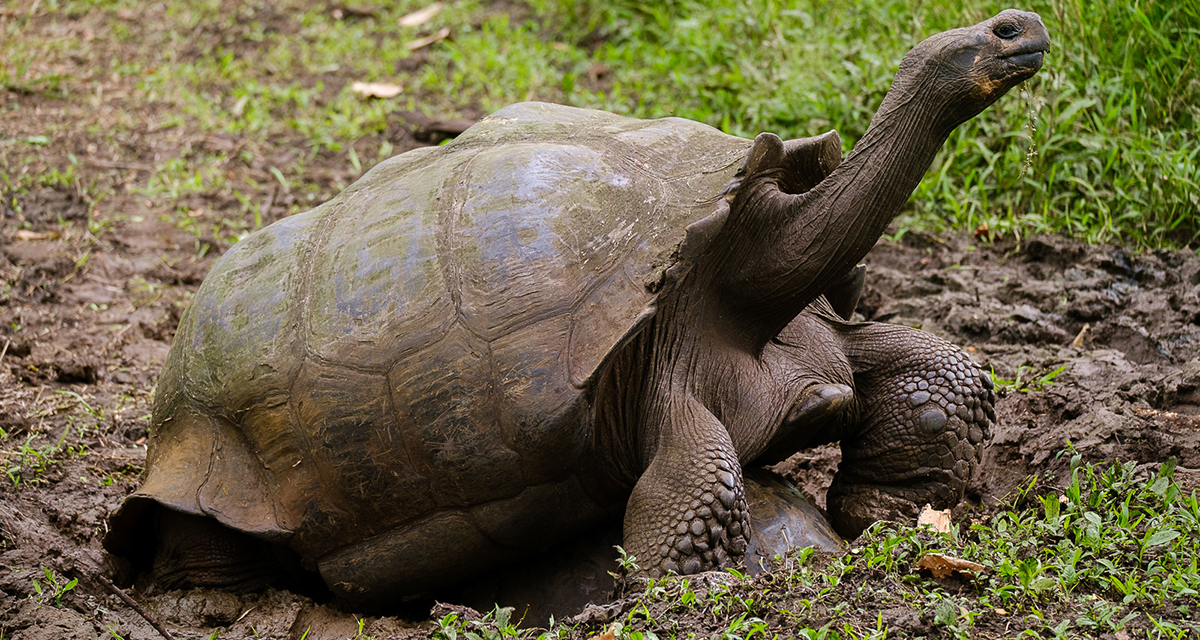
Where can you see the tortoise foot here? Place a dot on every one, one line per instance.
(853, 508)
(714, 529)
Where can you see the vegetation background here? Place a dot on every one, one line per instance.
(1100, 145)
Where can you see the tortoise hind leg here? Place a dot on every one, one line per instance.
(197, 551)
(927, 412)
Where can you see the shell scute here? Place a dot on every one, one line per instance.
(447, 404)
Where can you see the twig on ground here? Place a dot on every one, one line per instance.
(102, 579)
(264, 213)
(106, 164)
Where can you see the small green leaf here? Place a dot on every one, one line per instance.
(1051, 504)
(1039, 585)
(1168, 468)
(1161, 537)
(503, 614)
(283, 182)
(1160, 486)
(946, 612)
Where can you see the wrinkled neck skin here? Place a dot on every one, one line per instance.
(785, 248)
(679, 356)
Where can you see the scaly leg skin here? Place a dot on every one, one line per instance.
(927, 413)
(688, 512)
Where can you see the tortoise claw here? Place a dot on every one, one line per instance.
(815, 418)
(819, 403)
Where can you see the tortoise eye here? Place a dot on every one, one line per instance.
(1008, 31)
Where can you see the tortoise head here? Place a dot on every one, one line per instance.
(786, 245)
(973, 66)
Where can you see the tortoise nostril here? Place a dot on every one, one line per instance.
(1007, 31)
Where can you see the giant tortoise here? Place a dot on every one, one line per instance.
(563, 318)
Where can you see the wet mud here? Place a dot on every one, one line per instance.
(1094, 350)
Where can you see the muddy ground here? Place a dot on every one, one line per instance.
(82, 344)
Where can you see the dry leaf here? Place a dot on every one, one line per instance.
(939, 520)
(29, 236)
(982, 232)
(428, 40)
(376, 89)
(607, 635)
(1085, 334)
(943, 566)
(420, 16)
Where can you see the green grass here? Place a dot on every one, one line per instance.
(36, 456)
(1101, 145)
(1021, 382)
(1112, 552)
(53, 587)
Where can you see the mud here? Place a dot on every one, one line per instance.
(1124, 329)
(82, 344)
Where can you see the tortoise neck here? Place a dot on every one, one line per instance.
(794, 246)
(864, 194)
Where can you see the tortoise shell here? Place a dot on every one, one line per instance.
(425, 344)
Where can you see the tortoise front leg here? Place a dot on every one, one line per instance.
(688, 509)
(927, 412)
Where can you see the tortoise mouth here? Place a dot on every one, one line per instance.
(1030, 59)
